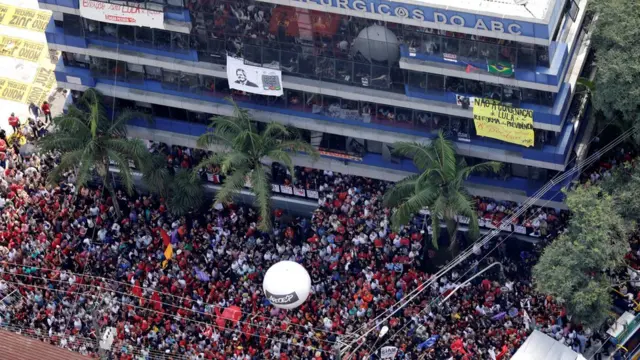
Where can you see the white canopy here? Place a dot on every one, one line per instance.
(539, 346)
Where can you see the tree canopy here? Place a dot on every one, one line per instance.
(91, 141)
(573, 268)
(439, 187)
(616, 41)
(245, 148)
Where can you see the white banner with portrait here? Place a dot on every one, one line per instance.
(115, 13)
(253, 79)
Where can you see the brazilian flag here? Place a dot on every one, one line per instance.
(500, 68)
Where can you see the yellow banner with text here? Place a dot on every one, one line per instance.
(22, 49)
(37, 92)
(495, 120)
(22, 18)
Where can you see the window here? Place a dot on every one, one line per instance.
(170, 79)
(294, 99)
(435, 83)
(487, 51)
(473, 87)
(153, 73)
(144, 36)
(455, 85)
(526, 56)
(424, 120)
(417, 81)
(135, 73)
(492, 91)
(208, 84)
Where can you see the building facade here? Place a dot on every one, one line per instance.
(354, 75)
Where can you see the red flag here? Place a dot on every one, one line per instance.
(166, 240)
(469, 68)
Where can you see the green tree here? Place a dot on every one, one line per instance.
(439, 187)
(617, 46)
(245, 149)
(90, 142)
(572, 269)
(624, 187)
(184, 193)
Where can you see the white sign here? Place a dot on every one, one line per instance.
(520, 229)
(312, 194)
(253, 79)
(121, 14)
(460, 99)
(275, 188)
(298, 191)
(286, 189)
(388, 352)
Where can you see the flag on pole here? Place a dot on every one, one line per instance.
(168, 253)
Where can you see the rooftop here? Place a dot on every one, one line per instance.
(528, 10)
(20, 347)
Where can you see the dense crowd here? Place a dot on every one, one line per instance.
(71, 268)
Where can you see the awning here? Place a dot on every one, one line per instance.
(539, 346)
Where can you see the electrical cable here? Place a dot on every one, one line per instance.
(528, 203)
(275, 328)
(161, 313)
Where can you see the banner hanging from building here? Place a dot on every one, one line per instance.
(31, 51)
(495, 120)
(121, 14)
(22, 18)
(37, 92)
(253, 79)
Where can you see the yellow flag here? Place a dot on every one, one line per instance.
(168, 253)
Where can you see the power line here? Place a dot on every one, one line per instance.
(521, 210)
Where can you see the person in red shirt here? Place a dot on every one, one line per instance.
(46, 110)
(14, 121)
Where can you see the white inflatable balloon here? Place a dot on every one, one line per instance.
(377, 43)
(286, 285)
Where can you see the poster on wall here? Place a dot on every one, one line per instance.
(121, 14)
(253, 79)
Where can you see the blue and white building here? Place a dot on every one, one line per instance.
(356, 75)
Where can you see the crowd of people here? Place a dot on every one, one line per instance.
(73, 268)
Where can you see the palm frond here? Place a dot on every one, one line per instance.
(489, 166)
(232, 185)
(262, 191)
(413, 204)
(400, 191)
(133, 149)
(61, 141)
(122, 163)
(421, 154)
(186, 194)
(119, 126)
(444, 151)
(155, 174)
(299, 145)
(212, 160)
(232, 160)
(276, 130)
(68, 161)
(73, 121)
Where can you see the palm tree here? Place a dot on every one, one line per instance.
(245, 148)
(90, 142)
(440, 187)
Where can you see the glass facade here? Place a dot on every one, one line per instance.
(310, 44)
(456, 128)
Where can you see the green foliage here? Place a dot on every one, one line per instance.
(246, 147)
(185, 193)
(572, 269)
(440, 187)
(89, 140)
(624, 186)
(616, 42)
